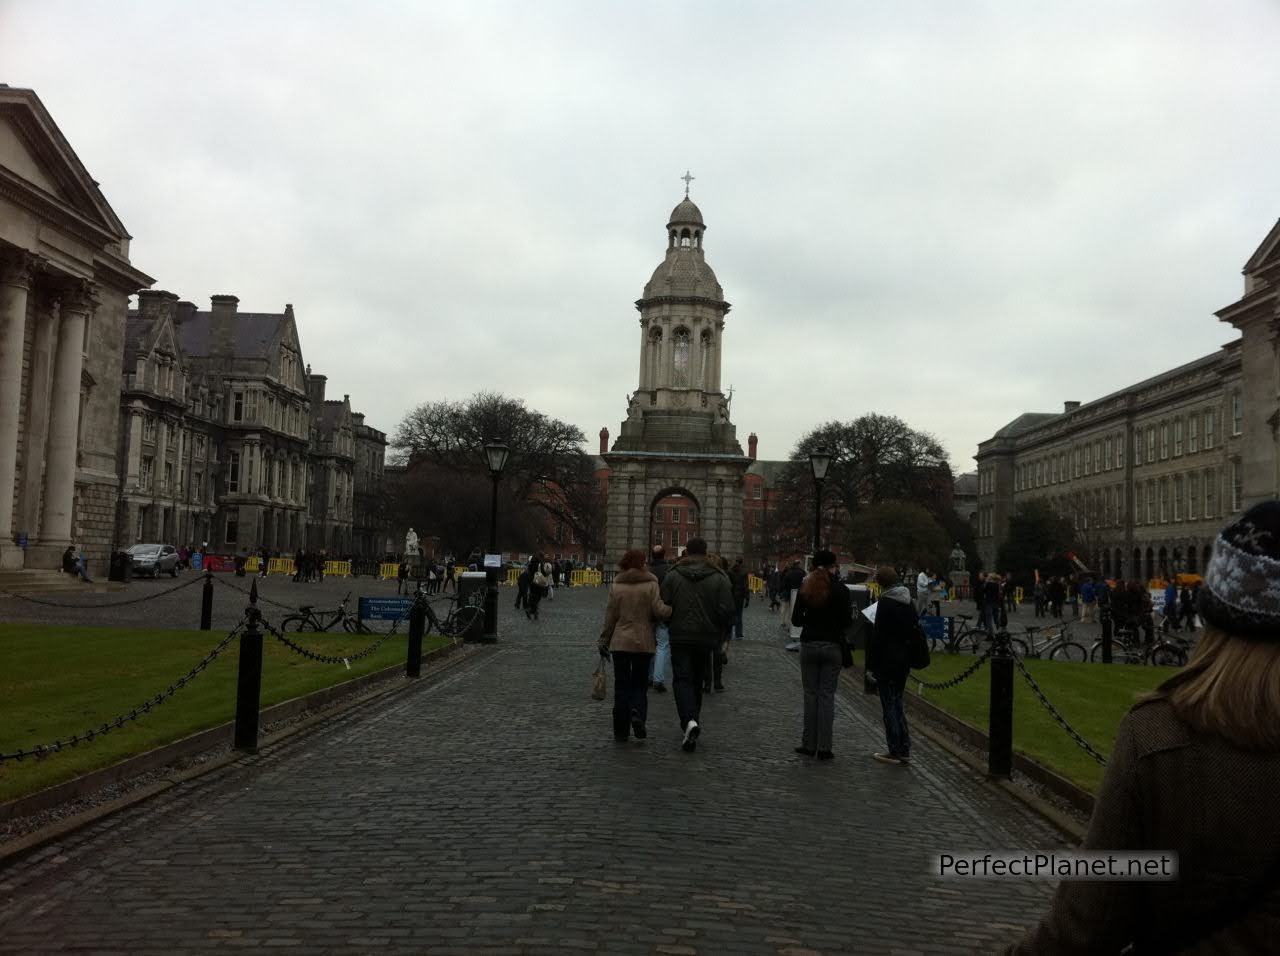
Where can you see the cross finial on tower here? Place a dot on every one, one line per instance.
(687, 180)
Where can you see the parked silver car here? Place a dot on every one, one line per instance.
(154, 559)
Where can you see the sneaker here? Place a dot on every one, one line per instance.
(886, 758)
(637, 726)
(826, 755)
(805, 751)
(719, 688)
(659, 687)
(691, 732)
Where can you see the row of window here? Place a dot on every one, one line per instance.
(147, 479)
(1186, 497)
(1158, 442)
(673, 515)
(660, 536)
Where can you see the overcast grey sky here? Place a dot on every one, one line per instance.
(952, 212)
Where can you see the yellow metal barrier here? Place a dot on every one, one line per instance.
(586, 577)
(339, 569)
(280, 566)
(1017, 595)
(251, 564)
(756, 584)
(389, 571)
(513, 576)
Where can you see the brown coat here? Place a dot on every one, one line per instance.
(1168, 787)
(634, 606)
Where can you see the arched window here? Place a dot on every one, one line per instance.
(680, 346)
(704, 358)
(697, 238)
(684, 238)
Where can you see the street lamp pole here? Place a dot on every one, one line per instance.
(819, 462)
(496, 454)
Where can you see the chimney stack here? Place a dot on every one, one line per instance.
(752, 442)
(604, 441)
(223, 304)
(155, 303)
(186, 311)
(1069, 407)
(315, 390)
(222, 326)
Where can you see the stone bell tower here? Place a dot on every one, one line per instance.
(677, 437)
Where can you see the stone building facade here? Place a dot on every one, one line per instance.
(227, 440)
(1147, 474)
(370, 531)
(677, 437)
(65, 282)
(1150, 473)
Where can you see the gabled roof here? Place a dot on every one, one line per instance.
(254, 333)
(47, 163)
(1269, 249)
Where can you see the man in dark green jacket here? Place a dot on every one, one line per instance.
(701, 600)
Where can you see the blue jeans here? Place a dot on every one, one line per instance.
(658, 671)
(895, 717)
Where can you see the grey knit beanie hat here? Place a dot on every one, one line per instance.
(1241, 591)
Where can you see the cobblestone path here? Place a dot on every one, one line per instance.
(489, 810)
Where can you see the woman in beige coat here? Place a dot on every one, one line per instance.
(1194, 771)
(634, 607)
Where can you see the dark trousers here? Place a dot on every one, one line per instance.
(533, 600)
(689, 666)
(895, 717)
(630, 690)
(820, 673)
(522, 594)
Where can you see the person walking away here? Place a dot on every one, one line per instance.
(823, 612)
(522, 587)
(1010, 595)
(662, 635)
(635, 604)
(792, 578)
(1170, 607)
(1041, 598)
(539, 586)
(449, 580)
(1193, 772)
(720, 654)
(888, 659)
(1188, 608)
(741, 594)
(402, 576)
(701, 603)
(991, 607)
(567, 572)
(773, 585)
(1057, 596)
(1089, 597)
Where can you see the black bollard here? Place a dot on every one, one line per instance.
(1106, 636)
(417, 619)
(249, 684)
(1000, 715)
(206, 602)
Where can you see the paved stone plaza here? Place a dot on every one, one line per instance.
(489, 810)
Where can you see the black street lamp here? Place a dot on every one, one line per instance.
(819, 462)
(496, 453)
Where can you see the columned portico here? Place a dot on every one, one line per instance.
(64, 420)
(15, 283)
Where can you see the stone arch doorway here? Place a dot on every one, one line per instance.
(675, 516)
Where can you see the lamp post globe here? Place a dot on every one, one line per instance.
(495, 454)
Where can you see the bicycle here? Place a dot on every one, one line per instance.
(460, 619)
(970, 638)
(309, 619)
(1127, 647)
(1057, 644)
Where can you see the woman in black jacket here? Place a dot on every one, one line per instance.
(888, 659)
(823, 611)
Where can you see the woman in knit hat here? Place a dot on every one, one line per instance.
(1195, 771)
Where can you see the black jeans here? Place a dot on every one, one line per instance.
(896, 734)
(630, 690)
(820, 674)
(689, 667)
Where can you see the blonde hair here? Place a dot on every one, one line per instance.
(1230, 687)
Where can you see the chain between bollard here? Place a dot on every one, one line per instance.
(103, 604)
(1057, 716)
(958, 679)
(44, 750)
(327, 658)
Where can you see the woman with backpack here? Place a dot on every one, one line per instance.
(635, 606)
(539, 585)
(823, 611)
(889, 654)
(1193, 773)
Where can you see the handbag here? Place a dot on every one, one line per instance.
(918, 649)
(846, 653)
(539, 579)
(599, 683)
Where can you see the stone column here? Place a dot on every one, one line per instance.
(644, 354)
(15, 282)
(716, 352)
(39, 381)
(64, 420)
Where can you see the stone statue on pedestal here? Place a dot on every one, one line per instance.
(633, 408)
(959, 561)
(411, 544)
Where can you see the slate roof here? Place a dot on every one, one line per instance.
(1025, 423)
(770, 471)
(254, 333)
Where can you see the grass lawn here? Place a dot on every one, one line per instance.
(1092, 697)
(59, 680)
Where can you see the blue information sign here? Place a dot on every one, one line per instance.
(197, 561)
(935, 627)
(384, 608)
